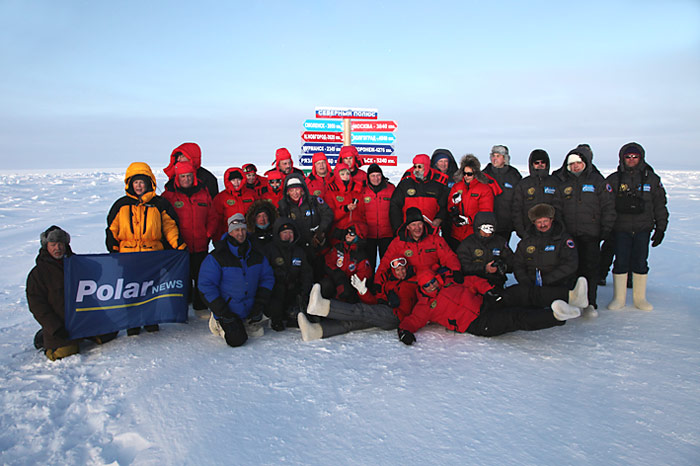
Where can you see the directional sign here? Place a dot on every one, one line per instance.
(371, 149)
(315, 136)
(340, 112)
(305, 160)
(380, 159)
(372, 126)
(323, 125)
(371, 138)
(313, 147)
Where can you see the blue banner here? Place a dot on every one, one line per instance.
(110, 292)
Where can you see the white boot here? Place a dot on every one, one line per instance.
(215, 327)
(639, 292)
(564, 311)
(579, 295)
(318, 305)
(619, 291)
(309, 331)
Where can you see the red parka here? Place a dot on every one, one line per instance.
(376, 201)
(454, 307)
(231, 201)
(339, 196)
(466, 200)
(317, 184)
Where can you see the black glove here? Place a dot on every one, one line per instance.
(458, 276)
(62, 333)
(234, 331)
(500, 264)
(494, 294)
(319, 239)
(393, 300)
(657, 238)
(406, 337)
(219, 307)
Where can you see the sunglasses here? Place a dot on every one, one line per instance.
(275, 181)
(632, 156)
(398, 262)
(539, 162)
(430, 283)
(351, 233)
(468, 173)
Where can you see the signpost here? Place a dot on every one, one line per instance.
(334, 127)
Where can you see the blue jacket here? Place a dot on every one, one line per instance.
(239, 277)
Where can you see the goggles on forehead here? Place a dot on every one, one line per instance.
(431, 283)
(398, 262)
(486, 228)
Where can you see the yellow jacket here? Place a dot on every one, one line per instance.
(142, 223)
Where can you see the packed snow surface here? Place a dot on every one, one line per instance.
(620, 389)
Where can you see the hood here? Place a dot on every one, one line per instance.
(227, 179)
(443, 154)
(471, 161)
(319, 156)
(585, 154)
(350, 151)
(190, 150)
(303, 186)
(277, 227)
(631, 148)
(482, 218)
(182, 168)
(538, 154)
(261, 205)
(282, 154)
(138, 168)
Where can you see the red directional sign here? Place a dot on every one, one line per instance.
(373, 126)
(316, 136)
(380, 159)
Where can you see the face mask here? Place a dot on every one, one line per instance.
(486, 228)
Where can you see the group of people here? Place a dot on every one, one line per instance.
(344, 249)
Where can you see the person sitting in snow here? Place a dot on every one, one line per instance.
(45, 297)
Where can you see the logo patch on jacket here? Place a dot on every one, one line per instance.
(279, 261)
(508, 185)
(550, 190)
(549, 247)
(530, 250)
(433, 304)
(568, 190)
(178, 204)
(339, 198)
(478, 252)
(588, 188)
(411, 192)
(230, 201)
(608, 188)
(296, 262)
(317, 192)
(408, 253)
(531, 191)
(431, 250)
(368, 200)
(570, 243)
(646, 188)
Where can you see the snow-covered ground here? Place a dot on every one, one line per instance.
(620, 389)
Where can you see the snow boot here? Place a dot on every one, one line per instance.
(589, 312)
(254, 328)
(132, 332)
(619, 291)
(564, 311)
(309, 331)
(39, 339)
(318, 305)
(639, 292)
(215, 327)
(578, 297)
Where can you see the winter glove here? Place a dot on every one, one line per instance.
(494, 294)
(458, 276)
(360, 285)
(657, 238)
(62, 333)
(219, 307)
(393, 300)
(319, 239)
(406, 337)
(500, 264)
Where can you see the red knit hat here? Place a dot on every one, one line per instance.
(422, 159)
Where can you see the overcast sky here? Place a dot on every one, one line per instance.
(101, 84)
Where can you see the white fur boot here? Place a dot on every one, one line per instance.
(309, 331)
(564, 311)
(619, 291)
(318, 305)
(639, 292)
(578, 297)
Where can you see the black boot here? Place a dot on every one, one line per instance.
(39, 339)
(133, 331)
(151, 328)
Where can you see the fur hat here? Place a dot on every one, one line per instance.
(54, 234)
(502, 150)
(540, 211)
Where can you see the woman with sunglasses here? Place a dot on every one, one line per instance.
(472, 193)
(640, 202)
(383, 308)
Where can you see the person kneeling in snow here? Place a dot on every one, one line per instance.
(385, 309)
(45, 297)
(236, 282)
(472, 307)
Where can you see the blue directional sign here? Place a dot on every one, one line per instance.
(372, 138)
(374, 149)
(326, 148)
(306, 160)
(323, 125)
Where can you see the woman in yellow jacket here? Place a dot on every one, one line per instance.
(142, 221)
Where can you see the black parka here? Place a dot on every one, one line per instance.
(476, 251)
(507, 178)
(553, 253)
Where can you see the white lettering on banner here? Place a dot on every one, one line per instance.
(105, 292)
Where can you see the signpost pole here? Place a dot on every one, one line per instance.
(346, 131)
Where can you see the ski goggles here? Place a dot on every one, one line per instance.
(398, 262)
(486, 228)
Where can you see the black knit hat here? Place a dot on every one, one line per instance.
(374, 168)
